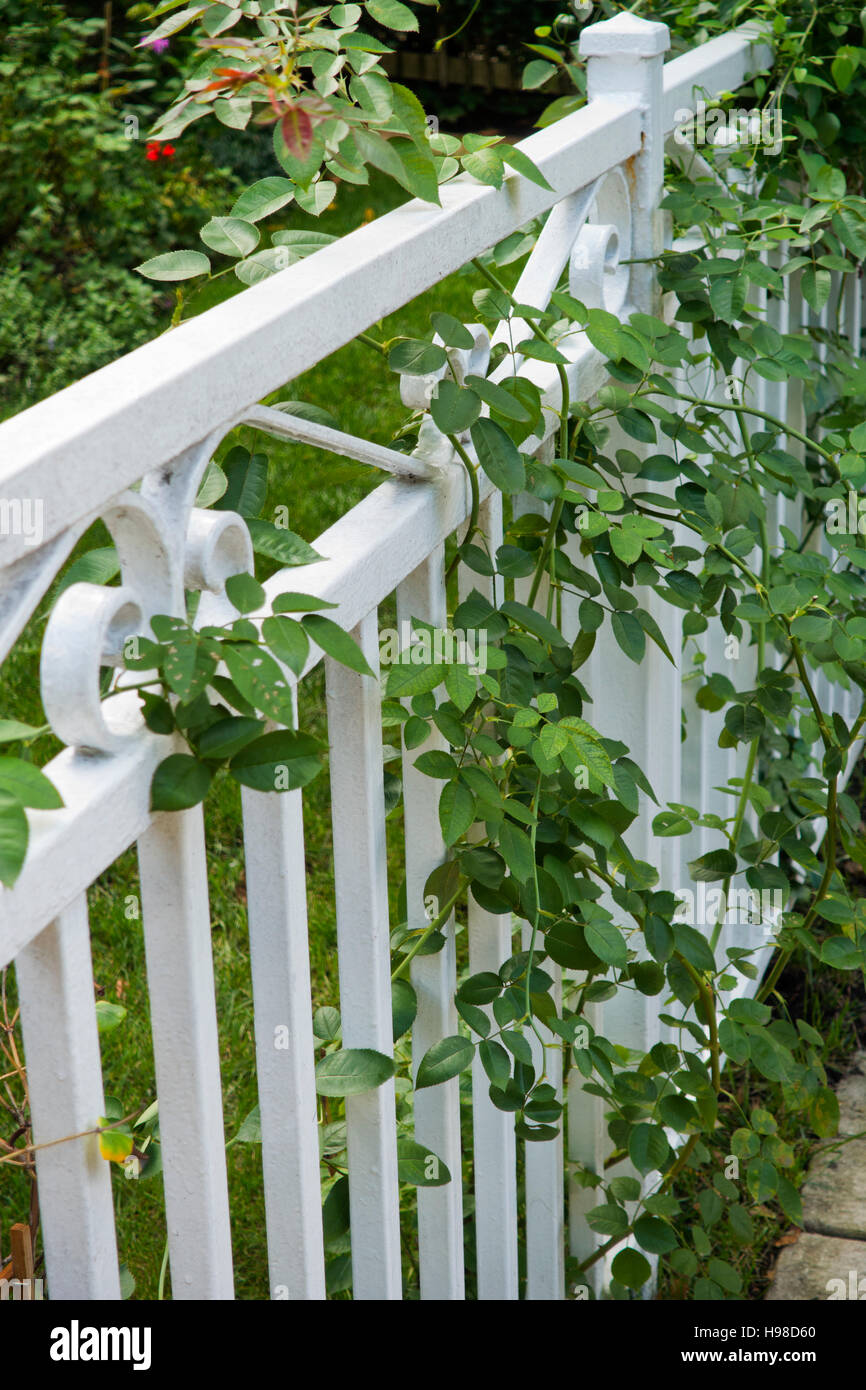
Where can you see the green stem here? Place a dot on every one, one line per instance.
(437, 922)
(476, 500)
(829, 868)
(532, 837)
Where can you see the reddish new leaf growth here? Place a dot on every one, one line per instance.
(296, 129)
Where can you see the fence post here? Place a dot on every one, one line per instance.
(625, 62)
(626, 59)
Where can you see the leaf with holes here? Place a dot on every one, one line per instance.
(260, 680)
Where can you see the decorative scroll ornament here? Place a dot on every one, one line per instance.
(165, 545)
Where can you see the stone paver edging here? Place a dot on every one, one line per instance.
(829, 1260)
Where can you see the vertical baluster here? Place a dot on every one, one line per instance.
(360, 876)
(64, 1076)
(543, 1162)
(490, 944)
(280, 966)
(177, 939)
(437, 1108)
(545, 1203)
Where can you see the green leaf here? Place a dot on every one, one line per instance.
(608, 1220)
(496, 1063)
(452, 332)
(454, 409)
(516, 849)
(629, 635)
(291, 602)
(418, 1166)
(247, 488)
(244, 593)
(607, 942)
(655, 1235)
(260, 680)
(317, 198)
(174, 265)
(443, 1060)
(335, 1211)
(98, 566)
(336, 643)
(415, 357)
(727, 296)
(280, 761)
(28, 785)
(179, 782)
(501, 402)
(262, 198)
(710, 868)
(498, 456)
(288, 641)
(108, 1015)
(631, 1268)
(816, 284)
(536, 73)
(280, 544)
(407, 679)
(14, 834)
(603, 331)
(648, 1147)
(514, 156)
(841, 953)
(326, 1024)
(626, 546)
(228, 736)
(230, 236)
(352, 1071)
(824, 1113)
(461, 686)
(212, 486)
(393, 15)
(299, 170)
(456, 811)
(404, 1007)
(744, 722)
(694, 947)
(485, 165)
(789, 1199)
(12, 729)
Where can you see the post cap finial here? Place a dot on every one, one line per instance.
(625, 36)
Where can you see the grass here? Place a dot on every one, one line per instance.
(356, 385)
